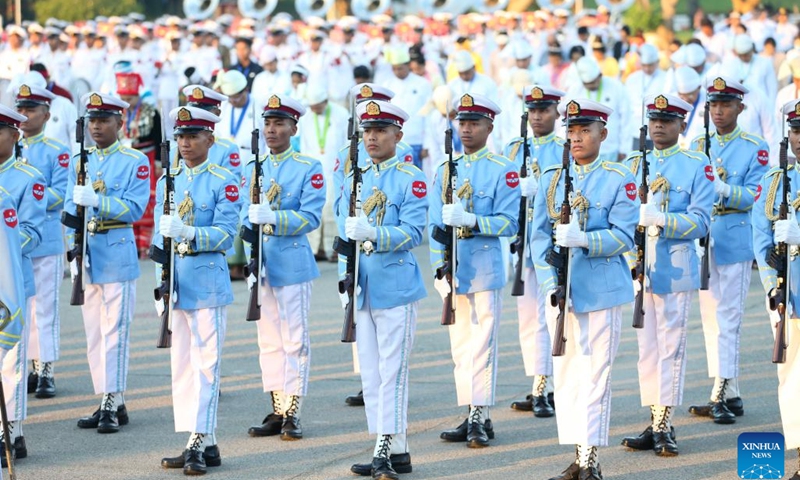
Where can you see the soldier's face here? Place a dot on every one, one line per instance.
(665, 132)
(724, 113)
(8, 138)
(690, 97)
(794, 141)
(381, 141)
(543, 120)
(103, 130)
(278, 132)
(474, 133)
(585, 141)
(194, 146)
(37, 116)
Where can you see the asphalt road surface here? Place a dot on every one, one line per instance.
(525, 447)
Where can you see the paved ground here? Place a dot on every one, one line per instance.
(335, 434)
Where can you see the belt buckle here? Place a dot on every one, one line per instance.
(183, 249)
(267, 229)
(464, 232)
(93, 225)
(794, 251)
(368, 247)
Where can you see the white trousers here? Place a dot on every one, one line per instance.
(385, 338)
(534, 339)
(107, 315)
(197, 338)
(662, 348)
(473, 345)
(48, 273)
(582, 376)
(789, 381)
(15, 372)
(721, 310)
(283, 340)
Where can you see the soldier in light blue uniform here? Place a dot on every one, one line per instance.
(389, 287)
(545, 150)
(681, 183)
(604, 216)
(224, 152)
(484, 209)
(768, 231)
(26, 188)
(290, 207)
(740, 161)
(202, 226)
(115, 195)
(342, 168)
(12, 286)
(51, 158)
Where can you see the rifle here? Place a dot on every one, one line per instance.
(78, 221)
(518, 247)
(640, 237)
(165, 256)
(561, 260)
(346, 247)
(780, 259)
(449, 237)
(253, 236)
(705, 242)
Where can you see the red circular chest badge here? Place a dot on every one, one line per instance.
(512, 179)
(143, 172)
(232, 193)
(38, 191)
(630, 190)
(63, 160)
(419, 189)
(235, 161)
(758, 192)
(709, 172)
(317, 181)
(763, 157)
(10, 217)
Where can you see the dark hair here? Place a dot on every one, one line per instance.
(706, 22)
(246, 41)
(583, 30)
(626, 29)
(577, 49)
(769, 40)
(362, 71)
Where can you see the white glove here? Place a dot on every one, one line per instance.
(787, 231)
(721, 188)
(171, 226)
(159, 307)
(359, 229)
(571, 235)
(441, 286)
(453, 214)
(261, 214)
(649, 215)
(528, 186)
(85, 195)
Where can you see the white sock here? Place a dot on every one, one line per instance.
(539, 385)
(478, 414)
(109, 401)
(277, 401)
(292, 406)
(399, 444)
(196, 441)
(587, 456)
(383, 446)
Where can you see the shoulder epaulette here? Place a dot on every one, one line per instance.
(28, 169)
(403, 145)
(131, 152)
(53, 143)
(633, 155)
(752, 138)
(407, 168)
(514, 141)
(772, 171)
(616, 168)
(218, 171)
(300, 158)
(560, 141)
(498, 159)
(695, 155)
(555, 166)
(223, 141)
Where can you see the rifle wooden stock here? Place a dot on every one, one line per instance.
(349, 285)
(449, 238)
(640, 272)
(562, 259)
(518, 247)
(79, 251)
(782, 264)
(253, 267)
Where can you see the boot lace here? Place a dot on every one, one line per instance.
(541, 384)
(475, 415)
(47, 369)
(108, 402)
(276, 403)
(385, 446)
(294, 405)
(196, 442)
(723, 385)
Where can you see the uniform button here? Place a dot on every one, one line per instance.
(678, 189)
(116, 185)
(661, 160)
(480, 193)
(369, 219)
(122, 240)
(212, 264)
(741, 223)
(204, 206)
(536, 147)
(377, 174)
(289, 194)
(186, 192)
(274, 164)
(99, 174)
(401, 261)
(535, 159)
(719, 160)
(597, 204)
(658, 174)
(734, 173)
(580, 177)
(486, 247)
(294, 244)
(468, 165)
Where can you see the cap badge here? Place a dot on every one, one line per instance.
(573, 108)
(95, 100)
(661, 102)
(184, 115)
(274, 102)
(467, 101)
(366, 91)
(797, 109)
(537, 93)
(373, 109)
(719, 84)
(24, 91)
(198, 93)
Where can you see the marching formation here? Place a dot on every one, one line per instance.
(589, 167)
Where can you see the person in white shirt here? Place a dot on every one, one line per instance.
(412, 92)
(522, 53)
(611, 93)
(323, 132)
(648, 80)
(755, 72)
(785, 31)
(14, 61)
(469, 80)
(271, 81)
(689, 87)
(239, 113)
